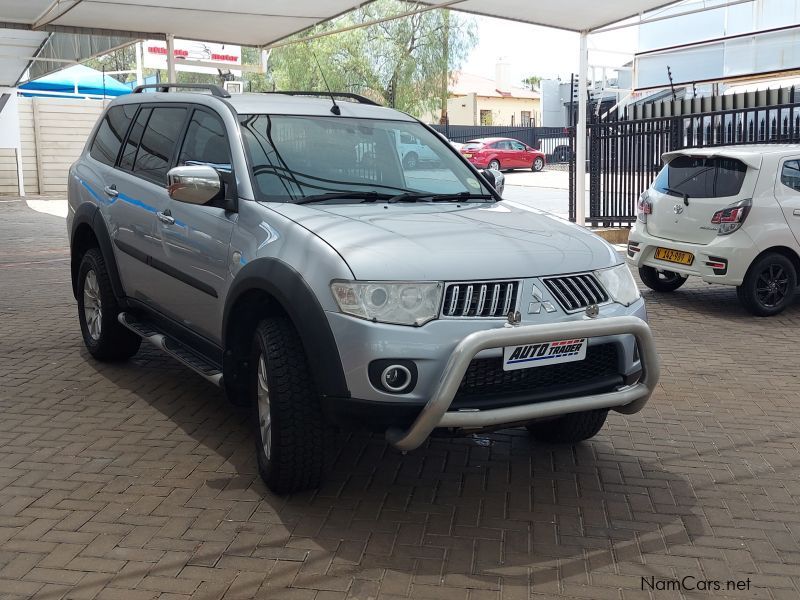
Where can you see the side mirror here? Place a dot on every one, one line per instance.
(194, 184)
(496, 179)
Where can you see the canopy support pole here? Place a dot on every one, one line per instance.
(171, 77)
(580, 133)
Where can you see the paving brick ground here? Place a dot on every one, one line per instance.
(137, 481)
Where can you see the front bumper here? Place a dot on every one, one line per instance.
(629, 399)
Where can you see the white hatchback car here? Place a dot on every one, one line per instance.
(729, 215)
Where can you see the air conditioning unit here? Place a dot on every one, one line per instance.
(234, 87)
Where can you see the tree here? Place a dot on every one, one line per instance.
(399, 63)
(532, 82)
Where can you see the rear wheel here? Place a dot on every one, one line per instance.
(571, 428)
(494, 164)
(287, 414)
(104, 336)
(661, 281)
(769, 285)
(538, 164)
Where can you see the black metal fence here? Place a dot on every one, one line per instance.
(624, 156)
(553, 141)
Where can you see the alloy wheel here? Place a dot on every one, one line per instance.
(92, 305)
(264, 414)
(772, 285)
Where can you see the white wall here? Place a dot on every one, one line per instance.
(53, 132)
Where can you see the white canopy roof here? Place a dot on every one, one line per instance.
(253, 22)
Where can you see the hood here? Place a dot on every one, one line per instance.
(442, 242)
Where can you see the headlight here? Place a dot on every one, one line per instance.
(619, 284)
(406, 303)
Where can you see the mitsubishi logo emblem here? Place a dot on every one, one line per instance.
(535, 307)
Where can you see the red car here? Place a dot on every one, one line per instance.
(502, 154)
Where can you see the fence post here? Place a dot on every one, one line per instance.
(593, 133)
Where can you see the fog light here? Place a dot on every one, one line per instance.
(396, 378)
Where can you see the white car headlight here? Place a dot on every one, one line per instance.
(399, 303)
(620, 284)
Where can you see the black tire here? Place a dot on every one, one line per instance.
(411, 161)
(538, 164)
(494, 164)
(105, 337)
(291, 449)
(769, 286)
(571, 428)
(661, 281)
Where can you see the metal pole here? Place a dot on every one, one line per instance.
(139, 73)
(171, 77)
(580, 133)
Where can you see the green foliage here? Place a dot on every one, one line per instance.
(403, 62)
(532, 82)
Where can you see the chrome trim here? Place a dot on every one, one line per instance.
(467, 300)
(627, 400)
(481, 300)
(453, 300)
(495, 298)
(583, 288)
(492, 299)
(509, 295)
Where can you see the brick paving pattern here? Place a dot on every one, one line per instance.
(138, 481)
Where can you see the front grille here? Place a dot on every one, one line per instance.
(480, 299)
(485, 377)
(574, 292)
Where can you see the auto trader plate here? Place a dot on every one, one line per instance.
(543, 354)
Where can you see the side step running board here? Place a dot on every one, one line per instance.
(180, 352)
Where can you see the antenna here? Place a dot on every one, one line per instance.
(335, 108)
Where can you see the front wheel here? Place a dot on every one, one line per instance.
(661, 281)
(105, 338)
(494, 164)
(538, 164)
(289, 427)
(571, 428)
(769, 286)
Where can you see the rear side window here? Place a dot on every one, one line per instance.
(700, 177)
(108, 139)
(205, 142)
(134, 137)
(158, 143)
(790, 174)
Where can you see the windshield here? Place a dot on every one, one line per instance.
(296, 157)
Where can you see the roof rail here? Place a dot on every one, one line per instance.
(347, 95)
(163, 87)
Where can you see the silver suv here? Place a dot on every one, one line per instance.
(279, 246)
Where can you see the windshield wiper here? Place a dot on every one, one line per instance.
(363, 196)
(675, 192)
(430, 197)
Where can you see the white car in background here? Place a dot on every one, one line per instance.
(729, 215)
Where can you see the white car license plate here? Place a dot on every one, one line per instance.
(543, 354)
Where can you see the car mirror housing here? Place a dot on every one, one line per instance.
(496, 179)
(194, 184)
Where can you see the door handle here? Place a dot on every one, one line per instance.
(796, 212)
(166, 217)
(111, 190)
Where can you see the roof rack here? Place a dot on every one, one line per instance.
(163, 87)
(347, 95)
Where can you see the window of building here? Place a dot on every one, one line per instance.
(525, 118)
(486, 117)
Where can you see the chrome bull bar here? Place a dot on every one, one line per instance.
(628, 400)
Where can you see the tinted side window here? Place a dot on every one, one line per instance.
(790, 174)
(205, 142)
(701, 177)
(517, 145)
(158, 143)
(134, 137)
(106, 144)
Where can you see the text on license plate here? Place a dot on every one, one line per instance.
(543, 354)
(676, 256)
(467, 155)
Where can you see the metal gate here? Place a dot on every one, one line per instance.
(624, 155)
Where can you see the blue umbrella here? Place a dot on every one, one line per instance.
(90, 82)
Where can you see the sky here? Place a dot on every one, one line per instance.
(549, 53)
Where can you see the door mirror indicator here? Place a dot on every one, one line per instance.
(194, 184)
